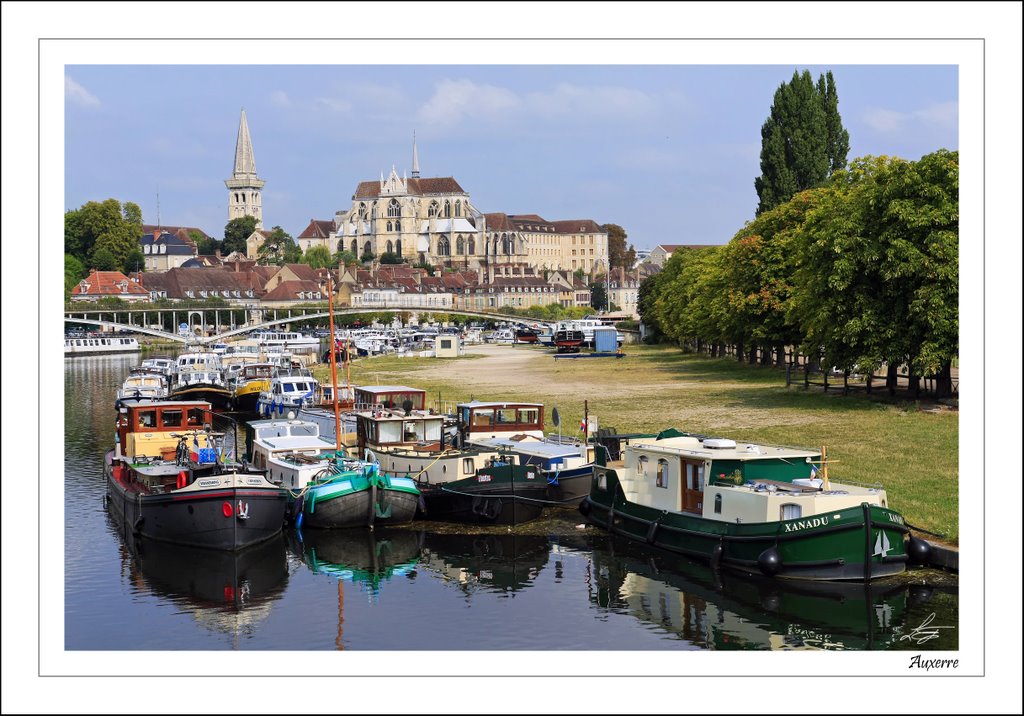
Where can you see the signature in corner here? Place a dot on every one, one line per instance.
(925, 632)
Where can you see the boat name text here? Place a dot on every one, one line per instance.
(806, 524)
(208, 483)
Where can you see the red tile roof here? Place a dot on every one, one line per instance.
(108, 283)
(317, 229)
(575, 226)
(290, 290)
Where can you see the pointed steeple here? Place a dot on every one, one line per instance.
(245, 160)
(415, 158)
(244, 186)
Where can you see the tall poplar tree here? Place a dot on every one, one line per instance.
(802, 141)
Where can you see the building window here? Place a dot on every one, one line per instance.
(447, 209)
(460, 244)
(398, 247)
(389, 226)
(394, 209)
(790, 511)
(662, 479)
(471, 246)
(390, 245)
(458, 208)
(355, 247)
(433, 209)
(398, 225)
(443, 247)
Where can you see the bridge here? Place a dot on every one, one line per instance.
(151, 321)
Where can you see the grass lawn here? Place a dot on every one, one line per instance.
(911, 452)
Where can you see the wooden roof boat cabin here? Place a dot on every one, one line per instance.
(369, 397)
(479, 419)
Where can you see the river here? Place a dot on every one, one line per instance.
(434, 588)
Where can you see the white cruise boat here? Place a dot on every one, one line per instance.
(96, 344)
(288, 393)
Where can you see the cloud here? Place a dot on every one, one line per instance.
(77, 94)
(940, 115)
(280, 99)
(332, 104)
(457, 101)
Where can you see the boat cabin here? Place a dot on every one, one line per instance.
(384, 428)
(198, 362)
(720, 479)
(256, 371)
(143, 384)
(297, 441)
(479, 419)
(152, 429)
(346, 395)
(390, 397)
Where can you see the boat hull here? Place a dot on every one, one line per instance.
(569, 487)
(218, 398)
(356, 502)
(502, 495)
(843, 545)
(229, 515)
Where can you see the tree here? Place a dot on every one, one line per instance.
(236, 232)
(318, 257)
(390, 258)
(74, 271)
(134, 261)
(103, 260)
(618, 254)
(344, 258)
(598, 295)
(802, 140)
(105, 225)
(205, 245)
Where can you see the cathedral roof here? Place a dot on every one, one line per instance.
(419, 187)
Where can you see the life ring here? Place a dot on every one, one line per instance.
(585, 506)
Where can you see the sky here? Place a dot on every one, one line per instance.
(669, 152)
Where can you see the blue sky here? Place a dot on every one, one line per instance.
(669, 152)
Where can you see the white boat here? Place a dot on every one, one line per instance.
(158, 364)
(142, 383)
(96, 344)
(503, 336)
(287, 394)
(200, 376)
(291, 451)
(288, 341)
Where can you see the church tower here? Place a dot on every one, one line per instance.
(244, 198)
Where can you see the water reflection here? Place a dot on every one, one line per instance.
(359, 556)
(496, 563)
(724, 611)
(225, 592)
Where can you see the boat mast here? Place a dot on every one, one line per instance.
(334, 367)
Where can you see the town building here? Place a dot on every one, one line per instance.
(663, 252)
(165, 250)
(108, 284)
(244, 186)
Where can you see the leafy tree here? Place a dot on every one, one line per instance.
(105, 225)
(103, 260)
(317, 257)
(74, 271)
(367, 257)
(236, 232)
(344, 258)
(598, 295)
(135, 261)
(429, 268)
(618, 254)
(132, 213)
(801, 141)
(205, 245)
(390, 258)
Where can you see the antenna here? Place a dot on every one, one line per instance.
(158, 206)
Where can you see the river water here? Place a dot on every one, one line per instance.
(425, 588)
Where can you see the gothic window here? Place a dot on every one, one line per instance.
(398, 225)
(236, 197)
(447, 209)
(506, 245)
(389, 226)
(471, 247)
(460, 244)
(398, 247)
(394, 209)
(243, 197)
(362, 210)
(458, 208)
(443, 247)
(433, 210)
(390, 247)
(367, 249)
(355, 247)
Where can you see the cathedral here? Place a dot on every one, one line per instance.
(244, 186)
(432, 220)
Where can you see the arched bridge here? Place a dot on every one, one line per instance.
(151, 321)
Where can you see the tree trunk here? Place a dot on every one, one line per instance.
(891, 378)
(739, 352)
(944, 381)
(914, 384)
(780, 355)
(752, 355)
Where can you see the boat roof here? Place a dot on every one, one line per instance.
(144, 402)
(530, 447)
(390, 389)
(298, 442)
(398, 414)
(496, 404)
(730, 450)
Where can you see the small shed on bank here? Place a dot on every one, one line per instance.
(447, 346)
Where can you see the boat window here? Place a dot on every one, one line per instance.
(718, 504)
(147, 418)
(790, 511)
(602, 480)
(641, 465)
(529, 415)
(289, 387)
(195, 416)
(662, 479)
(483, 418)
(409, 431)
(467, 466)
(171, 418)
(506, 415)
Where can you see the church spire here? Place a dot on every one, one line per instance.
(415, 158)
(245, 160)
(244, 186)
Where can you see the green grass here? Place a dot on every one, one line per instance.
(913, 453)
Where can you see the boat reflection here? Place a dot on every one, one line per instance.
(366, 558)
(226, 592)
(497, 563)
(724, 611)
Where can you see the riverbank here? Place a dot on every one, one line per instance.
(911, 452)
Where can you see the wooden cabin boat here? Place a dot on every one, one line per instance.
(480, 419)
(386, 397)
(458, 484)
(749, 507)
(168, 479)
(326, 489)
